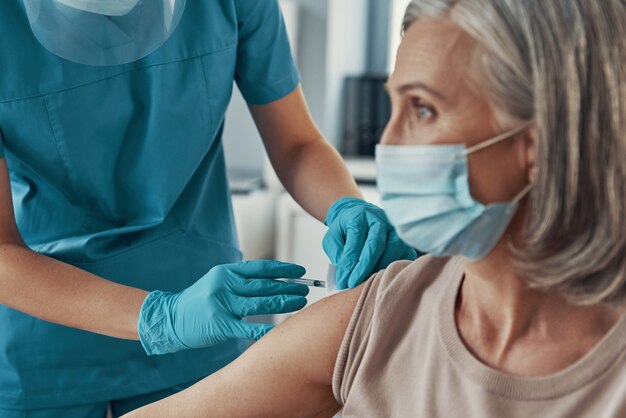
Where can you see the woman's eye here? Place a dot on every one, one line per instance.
(423, 112)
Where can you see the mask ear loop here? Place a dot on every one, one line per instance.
(523, 193)
(500, 138)
(495, 140)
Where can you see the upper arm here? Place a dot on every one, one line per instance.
(284, 124)
(9, 233)
(265, 70)
(288, 373)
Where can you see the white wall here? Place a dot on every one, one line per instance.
(378, 39)
(312, 38)
(398, 8)
(346, 50)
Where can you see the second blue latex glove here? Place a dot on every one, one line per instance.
(211, 310)
(361, 241)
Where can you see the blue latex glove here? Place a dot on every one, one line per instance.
(210, 311)
(361, 241)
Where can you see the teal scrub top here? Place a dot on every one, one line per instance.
(120, 171)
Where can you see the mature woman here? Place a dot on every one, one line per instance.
(505, 158)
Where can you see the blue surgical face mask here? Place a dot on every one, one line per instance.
(426, 195)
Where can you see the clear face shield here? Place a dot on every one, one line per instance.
(103, 32)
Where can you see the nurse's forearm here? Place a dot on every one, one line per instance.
(316, 177)
(56, 292)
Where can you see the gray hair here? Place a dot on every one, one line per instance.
(562, 64)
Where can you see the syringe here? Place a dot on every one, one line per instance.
(306, 282)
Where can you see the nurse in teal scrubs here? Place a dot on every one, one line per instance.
(120, 273)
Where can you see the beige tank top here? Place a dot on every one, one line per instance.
(402, 357)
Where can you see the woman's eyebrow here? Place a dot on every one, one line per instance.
(418, 85)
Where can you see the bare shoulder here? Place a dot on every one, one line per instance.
(420, 273)
(321, 326)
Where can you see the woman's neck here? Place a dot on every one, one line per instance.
(501, 318)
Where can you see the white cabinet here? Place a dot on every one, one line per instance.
(254, 217)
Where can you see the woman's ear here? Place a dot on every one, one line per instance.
(531, 155)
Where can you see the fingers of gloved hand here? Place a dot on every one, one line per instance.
(373, 249)
(355, 240)
(340, 206)
(395, 250)
(251, 331)
(267, 268)
(269, 305)
(333, 242)
(267, 287)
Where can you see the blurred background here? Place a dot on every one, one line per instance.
(345, 50)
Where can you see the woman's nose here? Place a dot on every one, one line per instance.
(390, 134)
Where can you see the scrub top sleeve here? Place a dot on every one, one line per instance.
(1, 145)
(265, 70)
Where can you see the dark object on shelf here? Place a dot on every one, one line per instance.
(367, 110)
